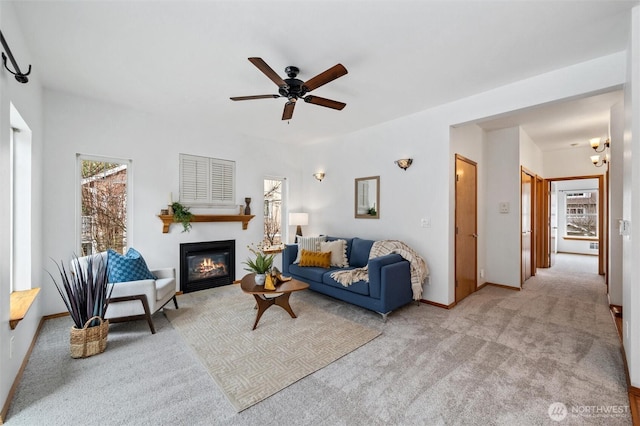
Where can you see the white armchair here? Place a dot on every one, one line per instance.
(136, 300)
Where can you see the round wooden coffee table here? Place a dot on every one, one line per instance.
(280, 294)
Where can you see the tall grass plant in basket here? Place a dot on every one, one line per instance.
(85, 292)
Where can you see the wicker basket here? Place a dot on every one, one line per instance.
(89, 341)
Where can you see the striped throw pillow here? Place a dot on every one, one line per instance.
(310, 244)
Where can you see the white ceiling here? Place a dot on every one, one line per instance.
(184, 59)
(562, 125)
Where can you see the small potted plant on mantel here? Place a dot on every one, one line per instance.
(261, 265)
(183, 215)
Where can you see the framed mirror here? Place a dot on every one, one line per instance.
(367, 203)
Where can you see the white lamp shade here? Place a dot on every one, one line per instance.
(298, 219)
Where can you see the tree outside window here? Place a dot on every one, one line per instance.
(272, 212)
(104, 206)
(582, 214)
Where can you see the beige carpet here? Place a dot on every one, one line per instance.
(250, 366)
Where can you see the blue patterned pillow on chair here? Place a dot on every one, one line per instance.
(130, 267)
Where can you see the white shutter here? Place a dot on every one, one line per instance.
(222, 181)
(207, 181)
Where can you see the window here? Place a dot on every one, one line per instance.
(207, 181)
(104, 202)
(273, 203)
(582, 213)
(20, 193)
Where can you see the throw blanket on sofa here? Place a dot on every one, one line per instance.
(419, 269)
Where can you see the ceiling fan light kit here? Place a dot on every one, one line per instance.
(293, 89)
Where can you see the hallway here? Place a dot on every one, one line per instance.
(570, 263)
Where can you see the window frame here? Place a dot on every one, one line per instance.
(284, 223)
(78, 194)
(581, 210)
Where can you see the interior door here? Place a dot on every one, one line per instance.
(540, 229)
(553, 208)
(466, 238)
(526, 208)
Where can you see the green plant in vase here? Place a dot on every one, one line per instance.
(183, 215)
(261, 265)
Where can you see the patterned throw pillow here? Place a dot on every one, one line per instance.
(130, 267)
(338, 249)
(315, 258)
(310, 244)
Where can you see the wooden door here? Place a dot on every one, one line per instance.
(553, 223)
(526, 209)
(466, 238)
(540, 228)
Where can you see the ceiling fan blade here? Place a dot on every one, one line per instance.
(288, 110)
(268, 71)
(317, 100)
(323, 78)
(248, 98)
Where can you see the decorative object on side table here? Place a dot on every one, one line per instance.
(275, 277)
(183, 215)
(260, 265)
(86, 295)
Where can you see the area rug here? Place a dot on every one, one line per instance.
(250, 366)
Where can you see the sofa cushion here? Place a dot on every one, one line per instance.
(360, 252)
(360, 287)
(130, 267)
(315, 258)
(338, 249)
(311, 273)
(308, 243)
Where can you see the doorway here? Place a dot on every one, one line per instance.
(577, 216)
(466, 228)
(527, 247)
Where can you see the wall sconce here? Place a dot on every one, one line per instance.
(599, 162)
(404, 163)
(299, 220)
(319, 176)
(595, 143)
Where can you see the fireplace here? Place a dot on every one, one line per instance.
(207, 265)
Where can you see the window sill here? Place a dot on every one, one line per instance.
(581, 238)
(274, 250)
(20, 302)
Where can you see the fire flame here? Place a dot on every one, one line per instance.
(207, 265)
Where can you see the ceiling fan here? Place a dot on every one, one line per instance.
(294, 89)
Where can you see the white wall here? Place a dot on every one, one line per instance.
(615, 204)
(503, 186)
(570, 162)
(80, 125)
(531, 157)
(631, 204)
(27, 98)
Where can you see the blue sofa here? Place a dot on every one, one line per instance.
(389, 285)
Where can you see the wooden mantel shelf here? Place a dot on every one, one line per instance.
(167, 219)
